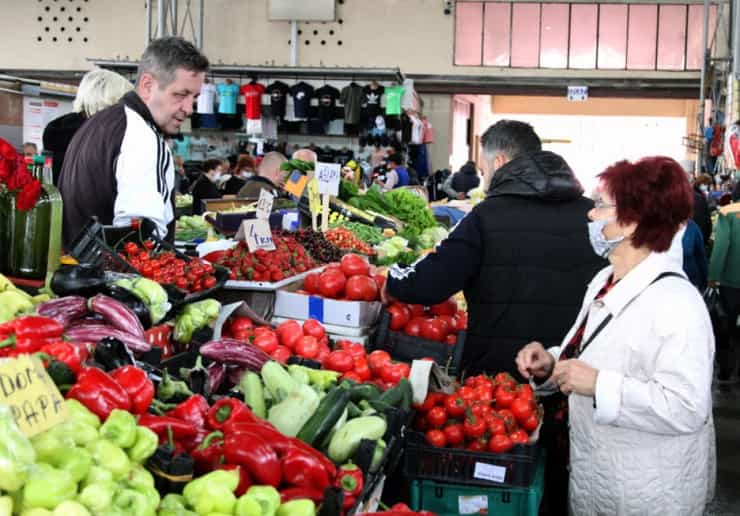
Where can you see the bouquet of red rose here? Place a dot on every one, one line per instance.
(15, 176)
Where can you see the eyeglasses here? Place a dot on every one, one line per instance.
(601, 205)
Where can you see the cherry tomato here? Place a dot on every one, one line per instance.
(432, 329)
(500, 443)
(448, 307)
(455, 405)
(522, 408)
(508, 418)
(474, 427)
(531, 423)
(525, 391)
(416, 310)
(432, 399)
(451, 339)
(519, 437)
(484, 392)
(504, 396)
(436, 438)
(437, 416)
(478, 445)
(496, 425)
(467, 393)
(454, 434)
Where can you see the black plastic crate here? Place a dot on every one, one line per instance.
(100, 245)
(407, 348)
(456, 466)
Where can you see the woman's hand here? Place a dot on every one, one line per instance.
(533, 360)
(575, 376)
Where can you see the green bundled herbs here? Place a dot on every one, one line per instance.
(347, 190)
(373, 200)
(297, 164)
(370, 234)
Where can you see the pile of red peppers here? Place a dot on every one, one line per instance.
(35, 334)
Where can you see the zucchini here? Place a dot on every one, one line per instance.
(364, 391)
(353, 410)
(326, 416)
(254, 396)
(392, 396)
(347, 439)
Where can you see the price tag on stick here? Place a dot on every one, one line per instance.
(324, 212)
(314, 201)
(328, 175)
(264, 204)
(257, 234)
(35, 402)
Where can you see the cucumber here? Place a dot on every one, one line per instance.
(353, 410)
(254, 396)
(326, 416)
(347, 439)
(364, 391)
(392, 396)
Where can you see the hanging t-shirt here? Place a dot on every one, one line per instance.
(393, 95)
(181, 147)
(417, 130)
(410, 99)
(327, 97)
(277, 91)
(351, 97)
(371, 101)
(206, 99)
(253, 100)
(428, 136)
(302, 93)
(227, 94)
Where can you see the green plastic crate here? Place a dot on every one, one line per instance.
(457, 499)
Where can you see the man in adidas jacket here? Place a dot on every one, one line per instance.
(118, 166)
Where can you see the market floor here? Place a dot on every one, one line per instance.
(727, 424)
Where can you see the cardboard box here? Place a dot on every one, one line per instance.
(292, 305)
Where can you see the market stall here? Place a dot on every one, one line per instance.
(255, 371)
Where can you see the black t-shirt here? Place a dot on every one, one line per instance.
(327, 96)
(277, 91)
(302, 93)
(371, 101)
(203, 188)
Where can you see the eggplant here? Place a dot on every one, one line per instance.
(83, 279)
(130, 299)
(112, 354)
(196, 377)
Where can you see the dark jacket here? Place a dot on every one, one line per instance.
(202, 189)
(233, 185)
(253, 186)
(57, 135)
(701, 215)
(695, 256)
(465, 179)
(522, 258)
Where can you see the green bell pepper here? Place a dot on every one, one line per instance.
(79, 412)
(120, 428)
(145, 445)
(297, 508)
(81, 432)
(247, 506)
(218, 498)
(6, 506)
(36, 511)
(130, 501)
(194, 489)
(47, 487)
(16, 453)
(267, 496)
(50, 443)
(97, 475)
(152, 496)
(139, 478)
(173, 502)
(75, 461)
(109, 456)
(71, 508)
(98, 497)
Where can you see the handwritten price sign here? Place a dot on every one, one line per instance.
(264, 204)
(328, 176)
(257, 234)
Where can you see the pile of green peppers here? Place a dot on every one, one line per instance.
(78, 468)
(194, 317)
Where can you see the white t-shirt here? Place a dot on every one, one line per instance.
(207, 99)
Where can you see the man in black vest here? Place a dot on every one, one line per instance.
(522, 256)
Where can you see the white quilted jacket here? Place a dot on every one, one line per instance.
(648, 447)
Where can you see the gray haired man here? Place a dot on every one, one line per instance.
(118, 166)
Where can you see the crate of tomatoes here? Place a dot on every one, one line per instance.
(412, 332)
(485, 433)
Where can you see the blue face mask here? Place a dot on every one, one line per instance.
(601, 245)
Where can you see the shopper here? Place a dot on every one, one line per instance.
(207, 186)
(637, 364)
(724, 273)
(269, 176)
(695, 256)
(98, 90)
(461, 182)
(118, 166)
(396, 175)
(30, 150)
(244, 169)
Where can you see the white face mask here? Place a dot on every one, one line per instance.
(600, 244)
(216, 177)
(704, 188)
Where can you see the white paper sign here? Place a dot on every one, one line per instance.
(577, 93)
(490, 472)
(328, 176)
(264, 204)
(472, 504)
(257, 234)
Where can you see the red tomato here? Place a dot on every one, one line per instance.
(323, 353)
(352, 376)
(448, 324)
(354, 264)
(451, 339)
(474, 427)
(496, 425)
(379, 280)
(519, 437)
(505, 378)
(436, 438)
(281, 354)
(404, 369)
(525, 391)
(461, 320)
(357, 350)
(311, 283)
(332, 283)
(362, 369)
(313, 328)
(455, 405)
(467, 393)
(509, 419)
(454, 434)
(531, 423)
(500, 443)
(432, 399)
(266, 341)
(340, 361)
(484, 392)
(263, 329)
(437, 416)
(478, 445)
(377, 359)
(448, 307)
(504, 396)
(522, 408)
(289, 333)
(413, 327)
(391, 373)
(242, 328)
(432, 329)
(416, 310)
(307, 347)
(361, 288)
(400, 315)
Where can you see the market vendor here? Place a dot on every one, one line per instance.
(461, 182)
(396, 176)
(118, 166)
(268, 176)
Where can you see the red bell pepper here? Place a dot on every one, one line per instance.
(161, 425)
(302, 469)
(71, 355)
(245, 480)
(190, 443)
(279, 442)
(99, 392)
(226, 411)
(138, 386)
(30, 333)
(297, 493)
(256, 455)
(210, 454)
(193, 410)
(350, 480)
